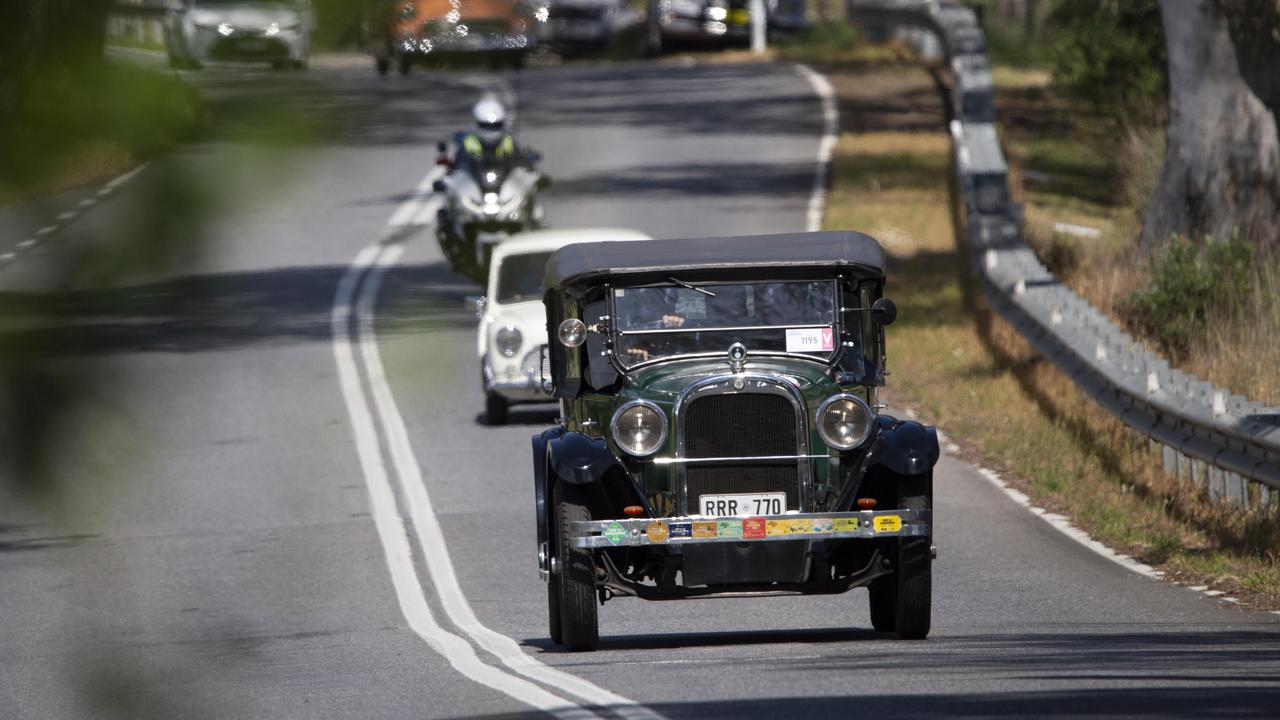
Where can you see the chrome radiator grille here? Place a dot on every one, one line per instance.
(741, 425)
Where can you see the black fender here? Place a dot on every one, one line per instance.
(904, 446)
(540, 477)
(581, 460)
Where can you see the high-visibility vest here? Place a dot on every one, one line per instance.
(472, 145)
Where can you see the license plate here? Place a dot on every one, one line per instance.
(743, 504)
(253, 45)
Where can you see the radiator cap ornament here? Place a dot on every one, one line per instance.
(737, 358)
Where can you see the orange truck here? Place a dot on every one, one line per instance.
(415, 32)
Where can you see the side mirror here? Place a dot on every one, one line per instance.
(476, 304)
(884, 311)
(544, 182)
(438, 186)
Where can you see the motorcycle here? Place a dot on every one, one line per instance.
(484, 204)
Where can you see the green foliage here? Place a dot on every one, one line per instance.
(822, 40)
(1011, 46)
(1191, 285)
(106, 110)
(1111, 53)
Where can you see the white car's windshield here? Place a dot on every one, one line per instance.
(797, 317)
(520, 277)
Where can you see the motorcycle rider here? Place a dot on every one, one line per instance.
(489, 144)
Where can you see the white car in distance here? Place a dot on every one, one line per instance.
(272, 31)
(512, 337)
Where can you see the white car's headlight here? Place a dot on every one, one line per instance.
(845, 421)
(507, 340)
(639, 428)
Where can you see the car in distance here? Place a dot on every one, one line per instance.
(579, 27)
(720, 432)
(415, 32)
(512, 336)
(273, 31)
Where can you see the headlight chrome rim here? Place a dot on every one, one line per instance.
(826, 405)
(508, 340)
(662, 427)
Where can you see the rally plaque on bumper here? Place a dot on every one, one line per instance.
(865, 524)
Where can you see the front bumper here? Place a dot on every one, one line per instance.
(697, 530)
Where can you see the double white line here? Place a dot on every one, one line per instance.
(377, 423)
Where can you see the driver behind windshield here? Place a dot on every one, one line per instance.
(716, 316)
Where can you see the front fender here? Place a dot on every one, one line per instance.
(579, 459)
(904, 446)
(540, 477)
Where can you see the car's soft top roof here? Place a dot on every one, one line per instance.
(573, 264)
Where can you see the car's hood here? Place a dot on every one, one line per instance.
(666, 380)
(256, 16)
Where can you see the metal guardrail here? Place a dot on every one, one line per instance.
(1222, 442)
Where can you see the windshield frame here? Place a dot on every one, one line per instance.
(827, 361)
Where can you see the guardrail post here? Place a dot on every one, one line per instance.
(1236, 493)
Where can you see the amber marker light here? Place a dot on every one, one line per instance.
(867, 503)
(633, 511)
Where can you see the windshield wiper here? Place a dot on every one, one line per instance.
(684, 284)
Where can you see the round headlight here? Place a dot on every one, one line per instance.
(639, 428)
(845, 421)
(572, 332)
(508, 340)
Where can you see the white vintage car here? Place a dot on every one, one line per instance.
(513, 323)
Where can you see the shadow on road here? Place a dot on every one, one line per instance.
(211, 312)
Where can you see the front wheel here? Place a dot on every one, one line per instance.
(902, 602)
(495, 409)
(573, 581)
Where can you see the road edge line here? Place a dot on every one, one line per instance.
(431, 538)
(826, 146)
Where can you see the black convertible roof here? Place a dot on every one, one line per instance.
(573, 264)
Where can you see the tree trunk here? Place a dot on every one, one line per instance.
(1222, 152)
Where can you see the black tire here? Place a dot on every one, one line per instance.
(382, 65)
(404, 65)
(300, 64)
(576, 585)
(902, 602)
(278, 65)
(495, 409)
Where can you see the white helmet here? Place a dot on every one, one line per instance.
(491, 119)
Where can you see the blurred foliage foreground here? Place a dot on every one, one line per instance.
(74, 125)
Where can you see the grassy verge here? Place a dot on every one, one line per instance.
(80, 128)
(1070, 164)
(963, 368)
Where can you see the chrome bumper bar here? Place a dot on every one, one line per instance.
(697, 530)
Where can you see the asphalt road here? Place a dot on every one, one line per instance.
(280, 501)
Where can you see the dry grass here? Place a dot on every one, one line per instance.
(1069, 165)
(964, 369)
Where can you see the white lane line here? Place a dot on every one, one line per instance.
(431, 538)
(827, 146)
(392, 533)
(88, 202)
(1064, 526)
(46, 230)
(26, 243)
(63, 217)
(6, 257)
(119, 180)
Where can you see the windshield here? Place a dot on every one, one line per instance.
(795, 317)
(520, 277)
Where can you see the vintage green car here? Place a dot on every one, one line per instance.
(720, 433)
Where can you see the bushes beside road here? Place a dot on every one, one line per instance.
(82, 127)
